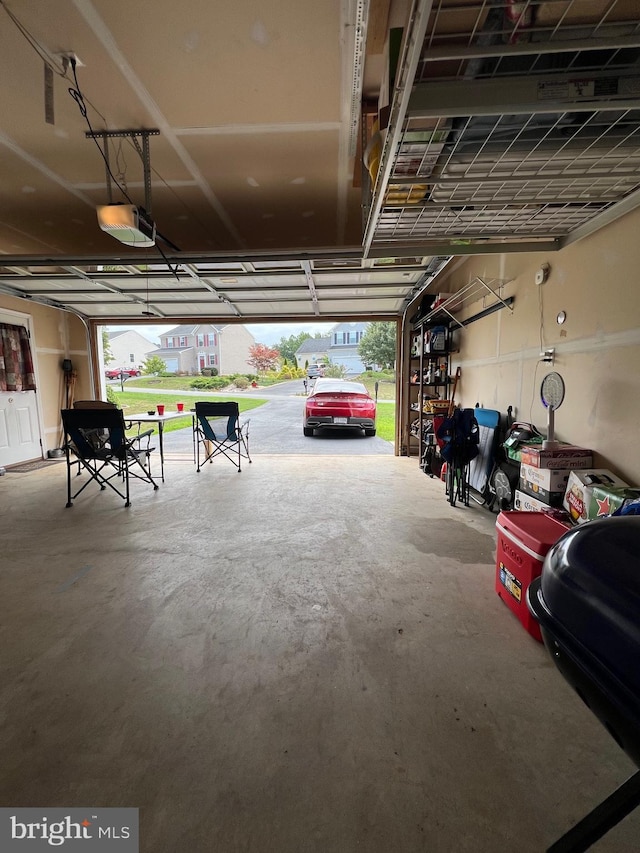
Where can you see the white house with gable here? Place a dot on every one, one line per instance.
(129, 349)
(344, 340)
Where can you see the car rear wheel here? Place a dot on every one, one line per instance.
(370, 432)
(308, 431)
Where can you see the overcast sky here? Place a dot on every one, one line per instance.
(264, 333)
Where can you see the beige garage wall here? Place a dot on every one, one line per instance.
(597, 283)
(56, 335)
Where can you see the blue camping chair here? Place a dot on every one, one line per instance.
(96, 440)
(219, 432)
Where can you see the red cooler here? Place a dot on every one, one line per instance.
(523, 541)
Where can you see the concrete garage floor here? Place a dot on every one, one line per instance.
(307, 656)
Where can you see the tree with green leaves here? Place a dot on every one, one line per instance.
(153, 366)
(378, 345)
(107, 355)
(287, 347)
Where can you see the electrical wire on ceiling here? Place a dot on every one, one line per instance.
(50, 60)
(42, 52)
(76, 94)
(195, 218)
(121, 167)
(122, 178)
(62, 70)
(78, 97)
(60, 66)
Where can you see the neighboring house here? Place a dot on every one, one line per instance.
(344, 340)
(191, 348)
(129, 349)
(341, 347)
(312, 350)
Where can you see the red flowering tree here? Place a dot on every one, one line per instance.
(263, 358)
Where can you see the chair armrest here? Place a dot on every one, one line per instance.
(134, 442)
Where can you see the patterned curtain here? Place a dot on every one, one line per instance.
(16, 364)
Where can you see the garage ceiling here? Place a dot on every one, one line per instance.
(509, 126)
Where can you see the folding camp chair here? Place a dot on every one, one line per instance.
(99, 435)
(218, 432)
(460, 435)
(95, 439)
(103, 435)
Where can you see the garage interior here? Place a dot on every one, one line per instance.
(311, 656)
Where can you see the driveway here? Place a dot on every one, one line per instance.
(276, 427)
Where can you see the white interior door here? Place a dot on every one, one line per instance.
(19, 425)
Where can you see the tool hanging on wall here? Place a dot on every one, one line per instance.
(452, 403)
(70, 376)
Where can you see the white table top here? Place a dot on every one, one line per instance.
(155, 418)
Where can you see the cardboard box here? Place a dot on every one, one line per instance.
(549, 498)
(606, 500)
(567, 456)
(525, 503)
(578, 499)
(545, 484)
(549, 479)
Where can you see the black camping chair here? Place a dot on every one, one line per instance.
(95, 438)
(460, 436)
(218, 431)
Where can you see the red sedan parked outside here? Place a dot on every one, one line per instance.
(339, 403)
(114, 372)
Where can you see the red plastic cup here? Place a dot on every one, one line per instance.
(180, 407)
(160, 408)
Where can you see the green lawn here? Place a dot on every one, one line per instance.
(386, 385)
(134, 403)
(386, 421)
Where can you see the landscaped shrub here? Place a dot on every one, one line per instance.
(335, 371)
(241, 382)
(211, 383)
